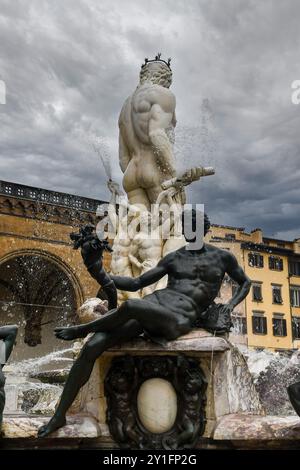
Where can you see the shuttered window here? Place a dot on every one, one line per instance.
(295, 296)
(294, 268)
(276, 295)
(259, 325)
(255, 260)
(256, 292)
(279, 327)
(296, 327)
(275, 263)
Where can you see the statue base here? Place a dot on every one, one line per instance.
(228, 404)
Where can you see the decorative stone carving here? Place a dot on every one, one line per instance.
(122, 388)
(120, 219)
(142, 237)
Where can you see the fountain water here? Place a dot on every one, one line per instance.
(272, 373)
(197, 142)
(102, 149)
(33, 386)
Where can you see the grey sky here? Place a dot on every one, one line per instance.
(69, 65)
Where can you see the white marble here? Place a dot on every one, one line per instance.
(157, 405)
(146, 156)
(241, 427)
(233, 385)
(147, 121)
(91, 309)
(197, 340)
(27, 427)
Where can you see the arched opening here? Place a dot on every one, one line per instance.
(38, 294)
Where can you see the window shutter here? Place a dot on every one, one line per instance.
(277, 299)
(294, 328)
(275, 326)
(264, 324)
(292, 298)
(281, 264)
(284, 332)
(254, 325)
(257, 293)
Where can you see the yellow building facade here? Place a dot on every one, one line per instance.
(271, 311)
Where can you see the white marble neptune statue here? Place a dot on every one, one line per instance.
(147, 121)
(146, 138)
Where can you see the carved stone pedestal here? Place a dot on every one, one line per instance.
(170, 397)
(196, 392)
(155, 402)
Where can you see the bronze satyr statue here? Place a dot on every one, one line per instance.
(8, 335)
(92, 254)
(194, 280)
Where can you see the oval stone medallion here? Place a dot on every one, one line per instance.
(157, 405)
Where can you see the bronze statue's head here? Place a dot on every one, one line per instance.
(192, 216)
(206, 224)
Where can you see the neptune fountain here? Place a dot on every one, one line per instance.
(153, 367)
(194, 271)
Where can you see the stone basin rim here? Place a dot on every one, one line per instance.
(253, 427)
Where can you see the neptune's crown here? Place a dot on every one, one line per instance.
(157, 59)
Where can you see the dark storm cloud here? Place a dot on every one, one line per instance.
(68, 66)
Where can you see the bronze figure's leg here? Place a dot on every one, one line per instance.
(152, 317)
(82, 369)
(121, 324)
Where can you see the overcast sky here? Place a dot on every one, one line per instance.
(69, 65)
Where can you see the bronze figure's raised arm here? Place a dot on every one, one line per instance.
(92, 253)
